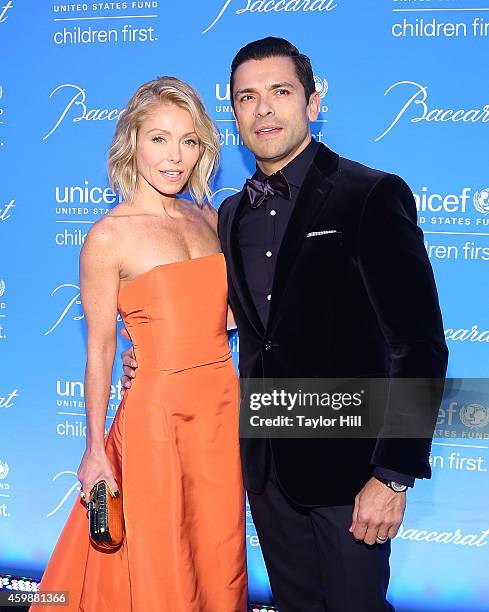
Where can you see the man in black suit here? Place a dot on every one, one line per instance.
(328, 277)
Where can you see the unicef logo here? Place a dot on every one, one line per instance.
(3, 470)
(474, 416)
(2, 287)
(481, 201)
(322, 86)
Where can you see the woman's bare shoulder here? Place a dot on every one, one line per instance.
(104, 237)
(209, 213)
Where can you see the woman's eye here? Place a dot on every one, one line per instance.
(191, 141)
(158, 139)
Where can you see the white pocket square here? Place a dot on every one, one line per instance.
(321, 233)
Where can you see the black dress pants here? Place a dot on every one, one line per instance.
(313, 562)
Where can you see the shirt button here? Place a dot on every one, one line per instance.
(273, 213)
(268, 253)
(269, 297)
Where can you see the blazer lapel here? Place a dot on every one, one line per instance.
(236, 269)
(310, 202)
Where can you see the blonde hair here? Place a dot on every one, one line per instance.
(122, 167)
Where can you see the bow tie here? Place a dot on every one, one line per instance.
(275, 184)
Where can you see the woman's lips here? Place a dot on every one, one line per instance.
(171, 175)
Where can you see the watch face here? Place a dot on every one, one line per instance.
(399, 488)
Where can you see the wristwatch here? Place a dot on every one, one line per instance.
(392, 484)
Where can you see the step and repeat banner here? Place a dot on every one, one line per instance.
(403, 88)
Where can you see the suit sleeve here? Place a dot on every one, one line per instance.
(386, 474)
(399, 280)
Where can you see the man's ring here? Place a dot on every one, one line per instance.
(381, 539)
(82, 495)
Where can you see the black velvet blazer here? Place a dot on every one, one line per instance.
(360, 302)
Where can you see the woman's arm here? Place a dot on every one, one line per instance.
(99, 286)
(231, 324)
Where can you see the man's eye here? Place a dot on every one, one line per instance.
(245, 98)
(282, 92)
(158, 139)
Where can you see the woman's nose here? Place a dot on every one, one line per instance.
(174, 154)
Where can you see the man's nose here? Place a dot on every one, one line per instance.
(264, 108)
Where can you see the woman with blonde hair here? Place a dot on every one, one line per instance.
(172, 452)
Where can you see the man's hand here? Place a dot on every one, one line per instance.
(378, 513)
(129, 364)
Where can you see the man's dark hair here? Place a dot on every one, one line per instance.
(275, 47)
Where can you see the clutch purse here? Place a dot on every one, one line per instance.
(105, 517)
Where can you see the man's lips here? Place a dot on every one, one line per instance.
(267, 130)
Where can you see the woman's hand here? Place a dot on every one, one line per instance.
(129, 364)
(95, 466)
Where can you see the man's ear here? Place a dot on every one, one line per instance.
(314, 106)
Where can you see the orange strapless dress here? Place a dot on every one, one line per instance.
(175, 451)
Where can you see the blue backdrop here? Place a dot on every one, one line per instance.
(404, 88)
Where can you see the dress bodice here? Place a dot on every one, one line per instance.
(176, 313)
